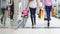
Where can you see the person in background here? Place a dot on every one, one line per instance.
(12, 10)
(32, 7)
(48, 6)
(3, 12)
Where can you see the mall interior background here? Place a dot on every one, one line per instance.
(19, 6)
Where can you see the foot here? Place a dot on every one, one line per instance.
(32, 24)
(48, 24)
(46, 19)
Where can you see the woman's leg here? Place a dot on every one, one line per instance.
(34, 16)
(48, 9)
(3, 12)
(31, 15)
(12, 15)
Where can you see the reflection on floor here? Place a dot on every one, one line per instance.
(55, 22)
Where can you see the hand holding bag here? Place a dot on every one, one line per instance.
(25, 12)
(41, 13)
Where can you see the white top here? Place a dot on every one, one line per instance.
(33, 4)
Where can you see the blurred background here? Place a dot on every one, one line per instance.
(20, 22)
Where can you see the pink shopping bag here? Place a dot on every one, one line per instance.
(8, 11)
(25, 12)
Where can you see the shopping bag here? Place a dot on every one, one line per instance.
(41, 14)
(53, 12)
(8, 11)
(25, 12)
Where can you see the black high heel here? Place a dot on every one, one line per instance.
(48, 24)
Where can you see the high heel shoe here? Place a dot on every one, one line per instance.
(48, 24)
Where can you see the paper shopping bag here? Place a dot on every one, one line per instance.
(41, 13)
(53, 12)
